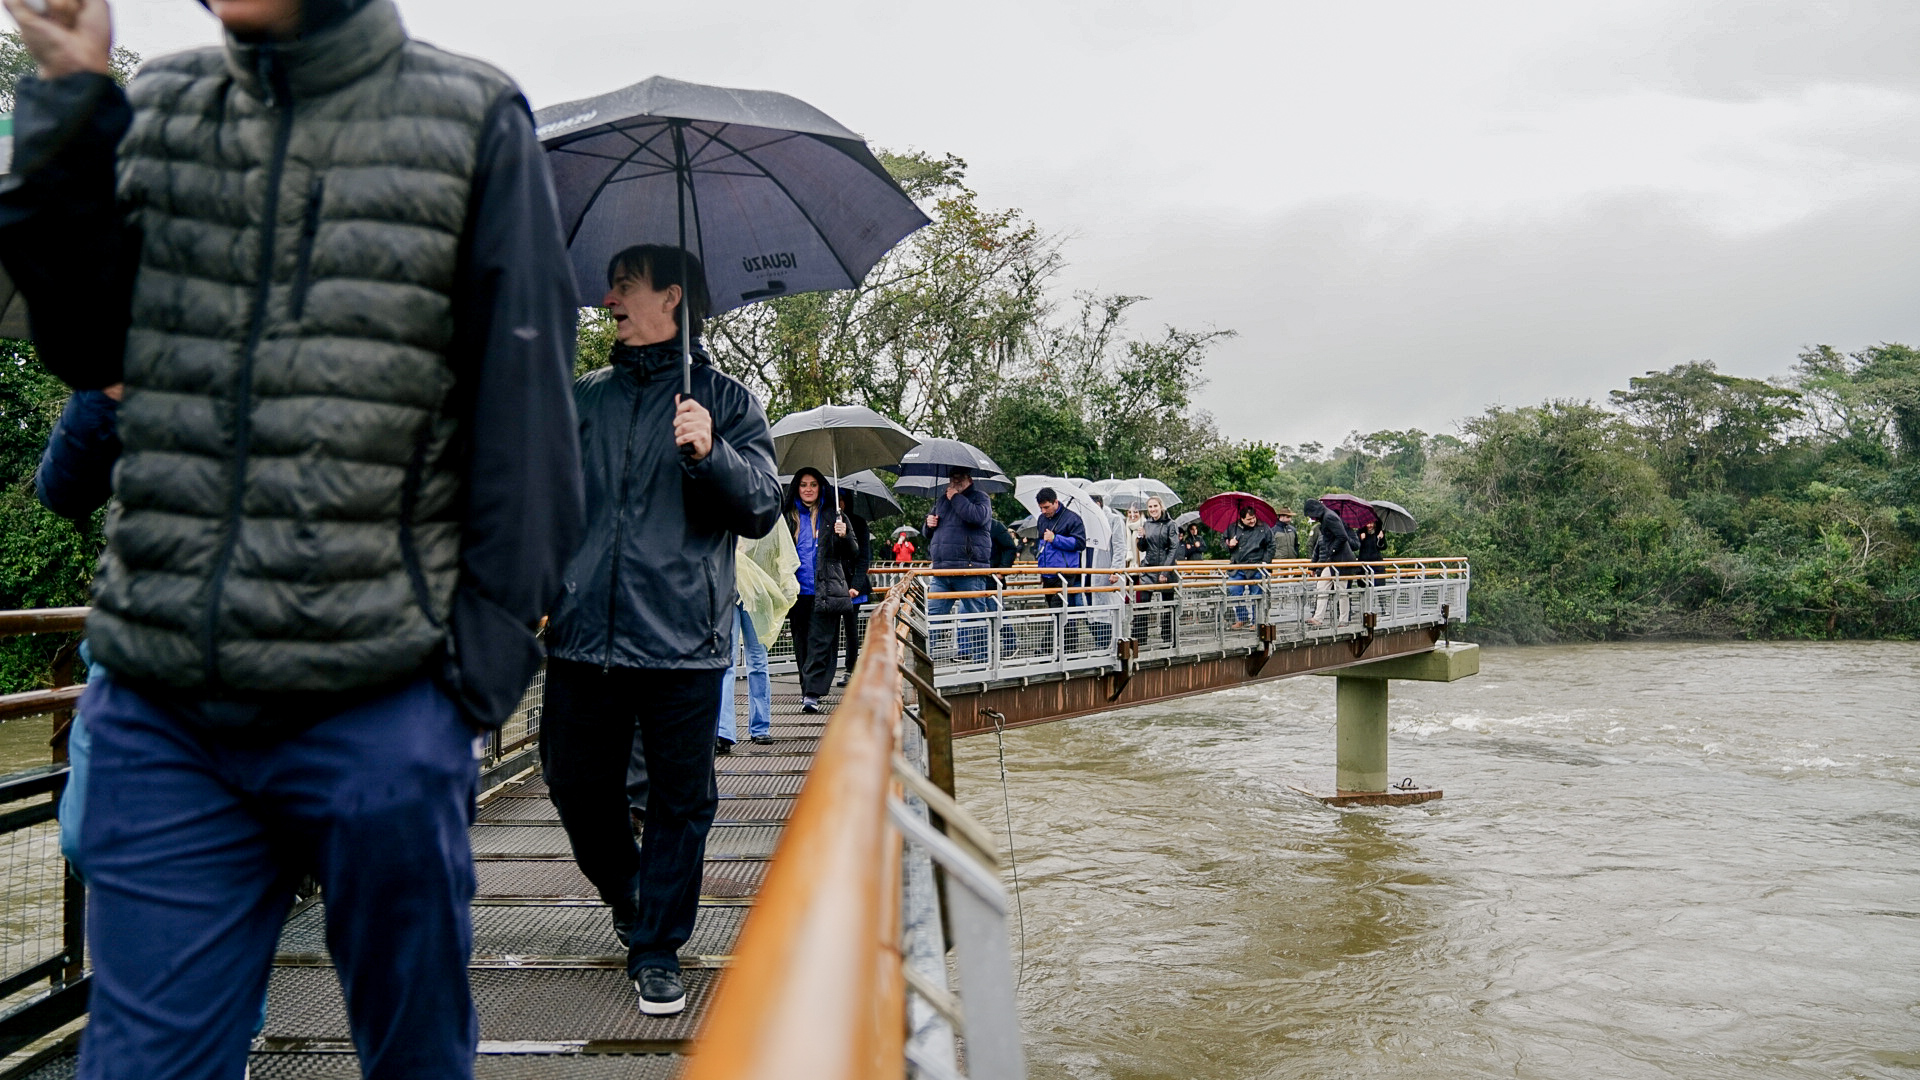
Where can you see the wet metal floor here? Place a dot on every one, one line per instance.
(549, 980)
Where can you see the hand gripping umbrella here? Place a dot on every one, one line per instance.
(1221, 511)
(841, 437)
(770, 193)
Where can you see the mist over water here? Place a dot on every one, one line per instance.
(1671, 860)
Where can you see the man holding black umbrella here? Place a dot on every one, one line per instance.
(959, 538)
(644, 632)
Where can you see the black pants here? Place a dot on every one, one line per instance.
(587, 730)
(799, 630)
(823, 652)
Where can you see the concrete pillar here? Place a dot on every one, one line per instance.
(1360, 752)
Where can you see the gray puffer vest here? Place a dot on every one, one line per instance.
(287, 505)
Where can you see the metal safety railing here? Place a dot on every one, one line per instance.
(43, 974)
(841, 972)
(993, 625)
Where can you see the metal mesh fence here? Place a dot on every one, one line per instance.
(32, 873)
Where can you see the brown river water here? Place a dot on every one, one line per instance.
(1671, 860)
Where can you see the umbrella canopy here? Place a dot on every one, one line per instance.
(865, 494)
(1168, 497)
(930, 487)
(1186, 519)
(1353, 509)
(838, 439)
(905, 530)
(1027, 527)
(1125, 494)
(1225, 508)
(778, 197)
(939, 457)
(774, 196)
(1075, 498)
(1393, 517)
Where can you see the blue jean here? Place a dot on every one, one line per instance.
(759, 690)
(1244, 612)
(192, 846)
(973, 636)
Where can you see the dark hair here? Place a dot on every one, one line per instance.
(1046, 495)
(660, 266)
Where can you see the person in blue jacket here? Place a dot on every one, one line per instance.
(1063, 536)
(960, 537)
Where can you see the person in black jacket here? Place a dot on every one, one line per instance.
(859, 585)
(220, 775)
(1333, 542)
(1193, 546)
(1158, 543)
(959, 538)
(644, 630)
(1249, 545)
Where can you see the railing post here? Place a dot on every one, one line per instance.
(73, 890)
(933, 714)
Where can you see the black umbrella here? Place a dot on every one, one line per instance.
(939, 457)
(865, 494)
(930, 487)
(770, 193)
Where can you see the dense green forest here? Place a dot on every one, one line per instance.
(1691, 503)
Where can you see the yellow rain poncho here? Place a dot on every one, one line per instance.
(763, 574)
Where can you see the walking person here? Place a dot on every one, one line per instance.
(346, 483)
(958, 538)
(1249, 547)
(1286, 541)
(765, 587)
(644, 630)
(1157, 542)
(860, 587)
(1333, 542)
(1063, 540)
(824, 542)
(805, 506)
(1193, 547)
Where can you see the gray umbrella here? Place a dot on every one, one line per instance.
(770, 193)
(1186, 519)
(929, 487)
(1394, 518)
(837, 439)
(939, 457)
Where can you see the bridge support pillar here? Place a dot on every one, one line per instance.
(1360, 740)
(1361, 776)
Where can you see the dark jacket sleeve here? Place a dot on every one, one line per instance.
(972, 509)
(736, 481)
(75, 477)
(62, 238)
(514, 335)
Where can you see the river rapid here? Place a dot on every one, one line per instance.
(1671, 860)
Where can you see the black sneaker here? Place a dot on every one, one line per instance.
(763, 740)
(722, 746)
(842, 682)
(809, 705)
(661, 992)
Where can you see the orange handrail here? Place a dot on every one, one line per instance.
(815, 990)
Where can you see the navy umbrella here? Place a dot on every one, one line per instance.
(930, 487)
(774, 196)
(937, 458)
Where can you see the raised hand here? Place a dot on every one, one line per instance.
(68, 37)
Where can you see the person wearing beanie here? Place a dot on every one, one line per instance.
(1333, 542)
(322, 263)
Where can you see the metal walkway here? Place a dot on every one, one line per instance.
(549, 981)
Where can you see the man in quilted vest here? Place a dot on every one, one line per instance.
(324, 260)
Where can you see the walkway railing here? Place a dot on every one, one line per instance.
(840, 971)
(43, 978)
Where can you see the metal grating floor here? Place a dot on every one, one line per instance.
(553, 997)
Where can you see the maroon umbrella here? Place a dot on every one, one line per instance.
(1225, 508)
(1353, 509)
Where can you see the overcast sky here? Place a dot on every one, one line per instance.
(1408, 210)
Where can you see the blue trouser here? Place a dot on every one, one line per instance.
(1243, 612)
(973, 638)
(193, 844)
(759, 690)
